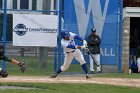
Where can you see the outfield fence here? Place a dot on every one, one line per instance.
(49, 59)
(32, 7)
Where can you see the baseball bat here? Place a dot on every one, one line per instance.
(95, 62)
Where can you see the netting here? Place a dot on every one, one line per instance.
(39, 59)
(77, 17)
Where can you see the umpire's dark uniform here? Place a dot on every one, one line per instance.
(94, 43)
(94, 46)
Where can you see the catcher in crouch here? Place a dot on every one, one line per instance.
(72, 51)
(4, 73)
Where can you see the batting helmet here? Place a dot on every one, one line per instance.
(64, 34)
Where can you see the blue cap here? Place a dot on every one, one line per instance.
(64, 34)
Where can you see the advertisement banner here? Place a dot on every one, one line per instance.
(35, 30)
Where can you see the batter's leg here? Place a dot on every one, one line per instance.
(67, 61)
(79, 57)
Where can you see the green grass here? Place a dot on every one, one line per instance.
(33, 69)
(69, 88)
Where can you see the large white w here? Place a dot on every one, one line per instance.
(83, 16)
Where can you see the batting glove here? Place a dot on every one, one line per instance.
(22, 66)
(85, 42)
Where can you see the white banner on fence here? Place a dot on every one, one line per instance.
(35, 30)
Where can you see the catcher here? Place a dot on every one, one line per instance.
(4, 73)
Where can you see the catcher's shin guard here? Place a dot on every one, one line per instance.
(22, 66)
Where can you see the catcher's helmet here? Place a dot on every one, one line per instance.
(93, 30)
(64, 34)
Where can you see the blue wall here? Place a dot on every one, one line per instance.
(81, 15)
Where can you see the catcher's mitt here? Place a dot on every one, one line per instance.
(22, 66)
(3, 73)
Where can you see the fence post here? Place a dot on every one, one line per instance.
(125, 66)
(22, 52)
(55, 60)
(4, 31)
(120, 37)
(43, 58)
(59, 35)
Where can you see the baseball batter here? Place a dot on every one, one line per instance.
(72, 51)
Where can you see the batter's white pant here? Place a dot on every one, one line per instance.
(70, 56)
(97, 58)
(138, 64)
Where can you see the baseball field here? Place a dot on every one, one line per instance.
(36, 80)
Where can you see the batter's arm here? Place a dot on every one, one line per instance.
(75, 46)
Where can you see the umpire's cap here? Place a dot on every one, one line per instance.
(93, 30)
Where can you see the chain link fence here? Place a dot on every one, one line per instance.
(45, 60)
(39, 60)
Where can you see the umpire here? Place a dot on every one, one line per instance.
(94, 46)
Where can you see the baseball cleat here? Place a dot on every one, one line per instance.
(53, 76)
(91, 72)
(87, 77)
(99, 72)
(22, 66)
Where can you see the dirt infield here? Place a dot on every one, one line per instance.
(73, 79)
